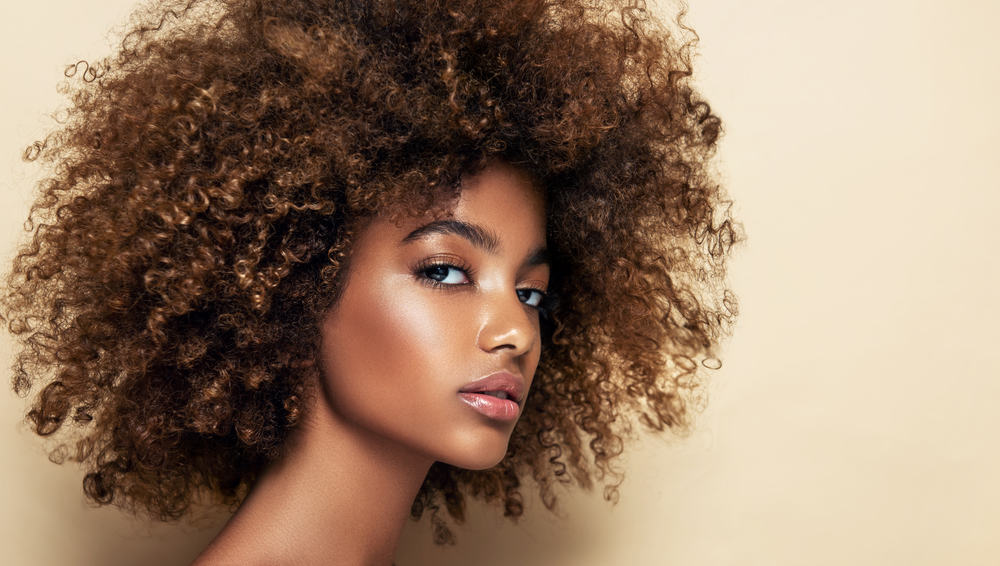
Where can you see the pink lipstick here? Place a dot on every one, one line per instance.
(497, 396)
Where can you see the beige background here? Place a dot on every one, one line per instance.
(855, 419)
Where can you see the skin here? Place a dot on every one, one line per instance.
(395, 350)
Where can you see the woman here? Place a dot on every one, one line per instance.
(318, 258)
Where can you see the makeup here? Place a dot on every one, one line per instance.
(436, 336)
(497, 396)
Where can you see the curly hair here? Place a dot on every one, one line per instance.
(210, 176)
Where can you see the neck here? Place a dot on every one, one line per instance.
(339, 495)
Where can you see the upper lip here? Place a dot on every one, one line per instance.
(504, 381)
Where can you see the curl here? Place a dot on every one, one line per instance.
(209, 180)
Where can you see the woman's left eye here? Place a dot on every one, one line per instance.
(531, 297)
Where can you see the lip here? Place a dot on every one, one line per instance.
(505, 381)
(475, 394)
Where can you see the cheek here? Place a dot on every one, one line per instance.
(411, 325)
(387, 346)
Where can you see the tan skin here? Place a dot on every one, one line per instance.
(396, 349)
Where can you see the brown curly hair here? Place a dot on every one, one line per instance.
(210, 175)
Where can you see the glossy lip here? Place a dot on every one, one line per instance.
(505, 381)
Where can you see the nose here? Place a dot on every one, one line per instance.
(507, 323)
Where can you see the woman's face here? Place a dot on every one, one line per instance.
(428, 309)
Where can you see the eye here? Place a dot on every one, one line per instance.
(444, 271)
(531, 297)
(444, 274)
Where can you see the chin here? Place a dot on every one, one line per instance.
(478, 454)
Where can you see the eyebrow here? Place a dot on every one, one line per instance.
(479, 236)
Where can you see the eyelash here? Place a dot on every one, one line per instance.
(425, 266)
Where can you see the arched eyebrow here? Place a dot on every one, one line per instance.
(479, 236)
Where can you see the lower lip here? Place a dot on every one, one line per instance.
(492, 407)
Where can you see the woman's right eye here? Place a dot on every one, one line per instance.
(445, 274)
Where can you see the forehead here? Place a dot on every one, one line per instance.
(504, 196)
(499, 211)
(499, 203)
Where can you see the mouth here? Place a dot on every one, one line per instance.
(501, 385)
(492, 406)
(498, 395)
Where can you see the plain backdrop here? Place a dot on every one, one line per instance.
(854, 420)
